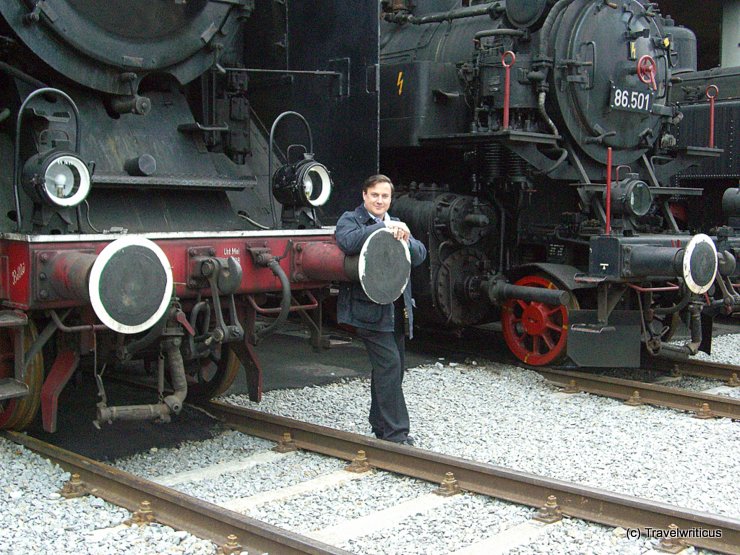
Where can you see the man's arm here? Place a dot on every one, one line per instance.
(351, 234)
(417, 250)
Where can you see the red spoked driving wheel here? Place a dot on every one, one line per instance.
(535, 332)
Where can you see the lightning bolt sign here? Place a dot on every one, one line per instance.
(399, 82)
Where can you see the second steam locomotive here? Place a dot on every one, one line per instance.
(536, 141)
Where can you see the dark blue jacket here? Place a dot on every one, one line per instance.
(354, 306)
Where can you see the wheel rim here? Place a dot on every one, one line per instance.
(16, 414)
(536, 333)
(212, 375)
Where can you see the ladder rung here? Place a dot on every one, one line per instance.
(12, 319)
(11, 388)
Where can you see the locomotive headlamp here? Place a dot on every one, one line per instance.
(59, 179)
(305, 183)
(632, 196)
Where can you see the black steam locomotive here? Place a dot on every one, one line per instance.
(537, 140)
(697, 95)
(137, 219)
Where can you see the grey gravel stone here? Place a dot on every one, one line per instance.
(35, 519)
(487, 412)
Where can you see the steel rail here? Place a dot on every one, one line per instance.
(651, 394)
(574, 500)
(700, 368)
(173, 508)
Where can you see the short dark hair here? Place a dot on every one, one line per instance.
(374, 180)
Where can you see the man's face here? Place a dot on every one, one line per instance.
(378, 199)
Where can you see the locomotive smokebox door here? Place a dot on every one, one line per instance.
(601, 51)
(329, 50)
(85, 40)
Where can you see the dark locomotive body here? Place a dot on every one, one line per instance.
(137, 221)
(718, 177)
(506, 177)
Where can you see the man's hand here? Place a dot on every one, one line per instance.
(399, 229)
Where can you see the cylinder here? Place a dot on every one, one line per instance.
(70, 272)
(499, 291)
(322, 262)
(696, 263)
(135, 104)
(129, 284)
(382, 267)
(133, 413)
(656, 261)
(143, 165)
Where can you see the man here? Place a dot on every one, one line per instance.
(382, 328)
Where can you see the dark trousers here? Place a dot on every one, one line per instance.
(388, 415)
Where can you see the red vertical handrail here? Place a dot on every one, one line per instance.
(507, 84)
(711, 89)
(609, 190)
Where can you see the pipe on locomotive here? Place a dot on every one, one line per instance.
(498, 291)
(285, 298)
(401, 15)
(170, 404)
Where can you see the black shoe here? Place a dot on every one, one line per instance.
(408, 441)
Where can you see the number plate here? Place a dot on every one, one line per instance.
(631, 101)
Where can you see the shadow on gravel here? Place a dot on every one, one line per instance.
(120, 439)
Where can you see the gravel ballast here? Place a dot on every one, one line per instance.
(491, 413)
(34, 518)
(512, 417)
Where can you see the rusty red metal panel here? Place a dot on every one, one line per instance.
(27, 261)
(62, 369)
(19, 275)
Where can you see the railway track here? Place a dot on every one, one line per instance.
(635, 392)
(729, 373)
(703, 405)
(150, 501)
(553, 498)
(632, 391)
